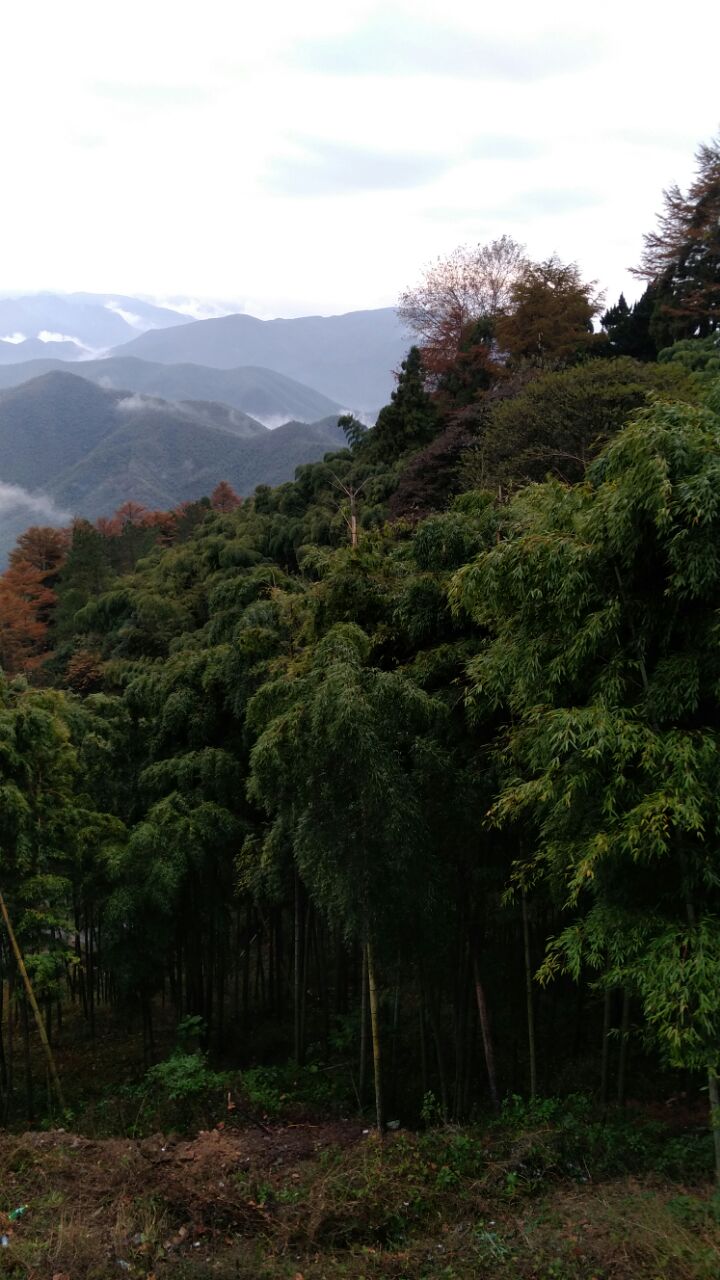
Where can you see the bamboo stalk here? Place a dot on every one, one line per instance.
(33, 1004)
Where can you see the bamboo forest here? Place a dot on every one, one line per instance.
(388, 799)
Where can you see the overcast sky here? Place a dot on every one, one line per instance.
(312, 156)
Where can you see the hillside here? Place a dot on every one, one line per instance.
(268, 396)
(350, 358)
(95, 321)
(165, 454)
(86, 449)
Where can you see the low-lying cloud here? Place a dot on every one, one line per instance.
(135, 322)
(14, 498)
(137, 403)
(49, 335)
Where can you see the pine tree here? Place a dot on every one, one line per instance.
(682, 258)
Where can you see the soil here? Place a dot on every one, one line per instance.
(184, 1191)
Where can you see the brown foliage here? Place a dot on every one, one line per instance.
(42, 547)
(25, 602)
(551, 314)
(224, 497)
(473, 283)
(683, 255)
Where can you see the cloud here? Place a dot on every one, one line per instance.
(274, 420)
(497, 146)
(550, 201)
(390, 44)
(135, 322)
(152, 96)
(14, 498)
(199, 308)
(333, 168)
(137, 403)
(14, 338)
(48, 335)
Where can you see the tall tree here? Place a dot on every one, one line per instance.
(682, 258)
(338, 762)
(473, 283)
(602, 605)
(550, 314)
(410, 420)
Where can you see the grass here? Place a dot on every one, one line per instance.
(512, 1200)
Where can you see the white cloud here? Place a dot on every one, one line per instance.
(172, 193)
(47, 335)
(135, 322)
(14, 338)
(14, 498)
(137, 403)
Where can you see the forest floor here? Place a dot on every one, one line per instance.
(301, 1201)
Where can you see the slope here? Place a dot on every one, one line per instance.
(267, 396)
(350, 358)
(95, 320)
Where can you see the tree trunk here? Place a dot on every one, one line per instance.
(363, 1026)
(377, 1050)
(298, 976)
(487, 1038)
(622, 1062)
(33, 1003)
(605, 1059)
(714, 1094)
(529, 997)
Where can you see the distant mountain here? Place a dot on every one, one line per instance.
(14, 353)
(92, 321)
(68, 446)
(350, 358)
(269, 397)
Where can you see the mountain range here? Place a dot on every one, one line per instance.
(268, 396)
(68, 446)
(350, 358)
(106, 398)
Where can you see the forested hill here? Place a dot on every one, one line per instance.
(77, 448)
(359, 758)
(263, 394)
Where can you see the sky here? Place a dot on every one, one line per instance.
(312, 156)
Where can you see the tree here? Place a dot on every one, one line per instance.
(550, 314)
(601, 602)
(224, 497)
(25, 603)
(682, 258)
(337, 763)
(558, 422)
(473, 283)
(43, 548)
(629, 328)
(354, 431)
(410, 420)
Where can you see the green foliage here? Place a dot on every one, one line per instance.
(410, 420)
(184, 1077)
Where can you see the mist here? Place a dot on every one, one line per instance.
(13, 498)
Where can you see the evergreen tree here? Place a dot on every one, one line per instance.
(682, 258)
(410, 420)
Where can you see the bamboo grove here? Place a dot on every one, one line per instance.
(410, 766)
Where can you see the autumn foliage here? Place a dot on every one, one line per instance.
(27, 597)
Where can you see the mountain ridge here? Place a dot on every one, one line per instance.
(84, 450)
(351, 357)
(267, 396)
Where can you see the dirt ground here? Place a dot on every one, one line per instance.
(96, 1208)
